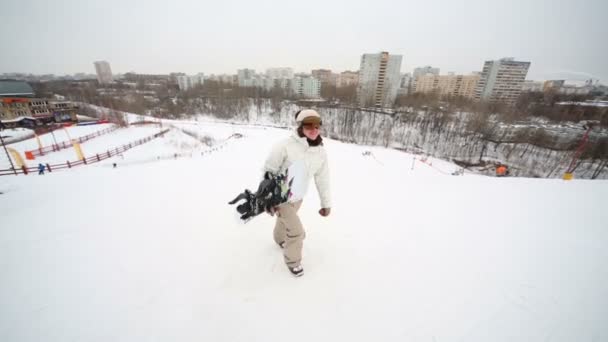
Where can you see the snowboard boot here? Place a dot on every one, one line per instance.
(297, 271)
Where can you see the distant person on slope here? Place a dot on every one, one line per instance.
(41, 169)
(304, 152)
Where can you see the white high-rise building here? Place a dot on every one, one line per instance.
(267, 83)
(273, 73)
(224, 78)
(259, 81)
(187, 82)
(283, 83)
(198, 79)
(308, 87)
(501, 80)
(245, 77)
(379, 79)
(182, 82)
(104, 73)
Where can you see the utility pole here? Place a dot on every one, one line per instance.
(8, 155)
(53, 134)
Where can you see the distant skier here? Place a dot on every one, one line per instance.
(304, 155)
(41, 168)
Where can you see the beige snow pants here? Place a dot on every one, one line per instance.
(289, 229)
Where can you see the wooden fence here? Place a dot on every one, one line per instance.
(90, 160)
(67, 144)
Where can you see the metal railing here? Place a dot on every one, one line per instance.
(67, 144)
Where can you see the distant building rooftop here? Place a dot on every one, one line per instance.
(10, 88)
(589, 103)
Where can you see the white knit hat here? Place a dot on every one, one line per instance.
(308, 113)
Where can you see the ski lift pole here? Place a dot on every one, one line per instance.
(55, 140)
(8, 155)
(581, 147)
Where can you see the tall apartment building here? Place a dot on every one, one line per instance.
(183, 82)
(224, 78)
(186, 82)
(448, 85)
(260, 81)
(268, 83)
(104, 73)
(421, 71)
(308, 87)
(501, 80)
(279, 73)
(325, 76)
(347, 78)
(379, 78)
(245, 77)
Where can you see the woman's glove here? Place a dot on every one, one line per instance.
(324, 212)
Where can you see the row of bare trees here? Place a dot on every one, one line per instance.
(529, 105)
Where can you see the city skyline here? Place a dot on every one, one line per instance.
(263, 73)
(562, 42)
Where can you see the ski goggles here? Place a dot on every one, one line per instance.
(312, 125)
(312, 122)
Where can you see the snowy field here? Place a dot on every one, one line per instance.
(150, 251)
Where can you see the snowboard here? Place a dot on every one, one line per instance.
(273, 190)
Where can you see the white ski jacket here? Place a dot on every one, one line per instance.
(311, 161)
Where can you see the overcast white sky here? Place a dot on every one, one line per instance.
(562, 39)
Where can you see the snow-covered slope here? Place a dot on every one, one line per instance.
(151, 251)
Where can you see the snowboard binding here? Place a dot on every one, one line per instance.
(247, 209)
(271, 192)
